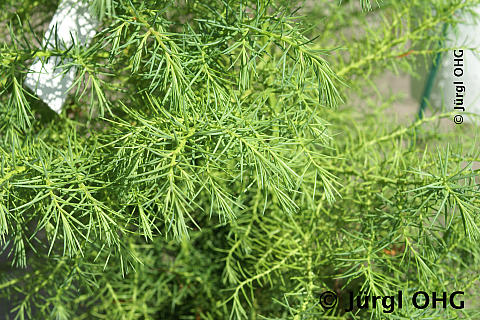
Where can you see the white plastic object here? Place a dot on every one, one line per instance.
(458, 81)
(72, 22)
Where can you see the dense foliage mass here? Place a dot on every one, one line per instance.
(223, 159)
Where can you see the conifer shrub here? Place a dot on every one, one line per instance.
(225, 159)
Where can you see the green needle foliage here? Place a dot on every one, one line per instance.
(215, 160)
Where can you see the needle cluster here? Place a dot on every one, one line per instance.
(211, 163)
